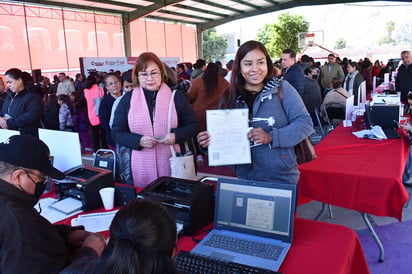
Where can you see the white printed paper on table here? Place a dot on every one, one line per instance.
(348, 111)
(362, 95)
(228, 129)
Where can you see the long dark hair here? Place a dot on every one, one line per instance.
(90, 81)
(28, 81)
(78, 103)
(142, 240)
(16, 74)
(66, 100)
(210, 77)
(355, 65)
(237, 82)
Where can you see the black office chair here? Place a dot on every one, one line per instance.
(334, 113)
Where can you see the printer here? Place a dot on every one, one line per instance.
(190, 202)
(83, 183)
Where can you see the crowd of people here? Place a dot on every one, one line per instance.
(137, 114)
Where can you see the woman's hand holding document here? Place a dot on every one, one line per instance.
(228, 130)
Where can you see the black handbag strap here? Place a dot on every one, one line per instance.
(340, 93)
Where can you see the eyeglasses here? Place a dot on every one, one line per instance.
(115, 83)
(44, 179)
(153, 74)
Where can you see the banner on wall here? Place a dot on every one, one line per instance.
(116, 63)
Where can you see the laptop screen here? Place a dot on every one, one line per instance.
(259, 208)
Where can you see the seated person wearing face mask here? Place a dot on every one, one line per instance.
(312, 97)
(28, 242)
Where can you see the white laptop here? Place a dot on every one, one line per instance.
(255, 211)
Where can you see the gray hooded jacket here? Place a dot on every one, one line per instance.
(289, 123)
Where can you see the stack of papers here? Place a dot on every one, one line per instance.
(52, 214)
(95, 222)
(67, 205)
(375, 133)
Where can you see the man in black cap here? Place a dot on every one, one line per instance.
(28, 242)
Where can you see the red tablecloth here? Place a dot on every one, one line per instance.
(317, 248)
(359, 174)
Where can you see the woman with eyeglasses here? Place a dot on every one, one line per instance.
(277, 115)
(141, 118)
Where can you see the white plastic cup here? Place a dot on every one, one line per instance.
(107, 195)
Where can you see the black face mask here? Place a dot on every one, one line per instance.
(315, 77)
(38, 191)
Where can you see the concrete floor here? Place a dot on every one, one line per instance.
(348, 217)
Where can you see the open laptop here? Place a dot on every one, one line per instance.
(251, 211)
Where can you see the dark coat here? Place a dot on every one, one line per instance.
(187, 122)
(80, 118)
(29, 243)
(356, 83)
(403, 81)
(295, 76)
(25, 110)
(105, 111)
(51, 113)
(312, 97)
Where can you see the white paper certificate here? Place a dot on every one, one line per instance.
(228, 129)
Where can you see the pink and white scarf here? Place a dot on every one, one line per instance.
(149, 164)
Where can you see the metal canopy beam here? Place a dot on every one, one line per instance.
(204, 14)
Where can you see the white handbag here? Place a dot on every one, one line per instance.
(181, 166)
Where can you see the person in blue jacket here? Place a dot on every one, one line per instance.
(279, 122)
(293, 72)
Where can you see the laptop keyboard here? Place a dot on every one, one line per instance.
(243, 246)
(187, 262)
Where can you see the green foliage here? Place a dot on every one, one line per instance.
(390, 27)
(386, 40)
(282, 35)
(214, 46)
(340, 44)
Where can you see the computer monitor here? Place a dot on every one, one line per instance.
(384, 115)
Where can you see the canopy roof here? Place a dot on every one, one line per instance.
(204, 14)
